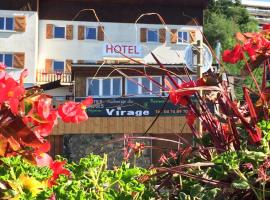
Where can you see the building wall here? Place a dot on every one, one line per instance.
(92, 50)
(26, 42)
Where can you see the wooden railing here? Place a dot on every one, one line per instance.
(44, 77)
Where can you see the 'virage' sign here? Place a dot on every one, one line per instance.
(115, 50)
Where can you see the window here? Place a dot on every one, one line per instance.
(152, 35)
(58, 66)
(59, 32)
(91, 33)
(183, 37)
(142, 86)
(6, 23)
(6, 59)
(104, 86)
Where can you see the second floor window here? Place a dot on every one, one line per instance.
(90, 33)
(6, 23)
(152, 35)
(59, 32)
(58, 66)
(105, 87)
(6, 59)
(183, 37)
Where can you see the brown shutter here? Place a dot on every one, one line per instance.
(18, 60)
(19, 23)
(49, 31)
(81, 30)
(69, 32)
(174, 36)
(48, 66)
(68, 66)
(162, 35)
(100, 33)
(192, 36)
(143, 34)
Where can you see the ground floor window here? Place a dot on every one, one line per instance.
(104, 86)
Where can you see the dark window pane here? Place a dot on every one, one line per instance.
(59, 32)
(106, 87)
(93, 87)
(58, 66)
(132, 87)
(152, 36)
(155, 87)
(9, 23)
(182, 36)
(146, 86)
(8, 60)
(91, 33)
(1, 58)
(117, 86)
(2, 23)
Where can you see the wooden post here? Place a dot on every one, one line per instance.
(199, 75)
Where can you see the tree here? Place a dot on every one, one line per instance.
(222, 19)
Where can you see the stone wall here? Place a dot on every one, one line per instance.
(78, 146)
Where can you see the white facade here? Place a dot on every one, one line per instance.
(115, 33)
(259, 9)
(25, 42)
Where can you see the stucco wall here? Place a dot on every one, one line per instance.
(26, 42)
(92, 50)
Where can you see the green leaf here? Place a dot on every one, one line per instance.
(241, 184)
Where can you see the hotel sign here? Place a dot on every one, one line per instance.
(133, 107)
(116, 49)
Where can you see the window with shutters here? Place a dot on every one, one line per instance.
(7, 59)
(90, 33)
(6, 23)
(105, 87)
(58, 66)
(152, 35)
(59, 32)
(183, 37)
(143, 86)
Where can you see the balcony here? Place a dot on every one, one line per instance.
(44, 77)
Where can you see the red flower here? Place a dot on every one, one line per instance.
(173, 155)
(11, 93)
(74, 112)
(233, 56)
(266, 26)
(181, 97)
(190, 117)
(58, 168)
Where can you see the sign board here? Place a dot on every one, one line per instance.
(130, 50)
(133, 107)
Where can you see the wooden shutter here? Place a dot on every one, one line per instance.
(162, 35)
(100, 33)
(69, 32)
(68, 66)
(18, 60)
(81, 30)
(49, 31)
(48, 66)
(143, 34)
(174, 36)
(192, 36)
(19, 23)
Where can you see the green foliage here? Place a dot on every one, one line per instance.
(222, 20)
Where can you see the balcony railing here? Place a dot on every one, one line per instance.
(44, 77)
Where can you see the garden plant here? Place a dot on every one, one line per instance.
(229, 161)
